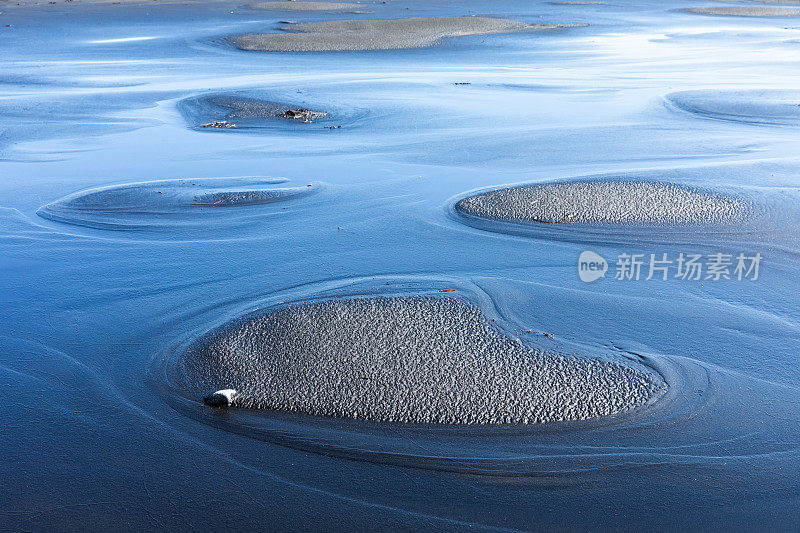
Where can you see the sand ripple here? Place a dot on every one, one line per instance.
(766, 107)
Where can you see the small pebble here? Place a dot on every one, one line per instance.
(220, 398)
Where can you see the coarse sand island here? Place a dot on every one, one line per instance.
(603, 202)
(421, 359)
(244, 111)
(288, 5)
(745, 11)
(378, 34)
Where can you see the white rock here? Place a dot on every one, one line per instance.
(220, 398)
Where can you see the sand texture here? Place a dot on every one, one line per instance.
(377, 34)
(405, 359)
(305, 6)
(603, 201)
(745, 11)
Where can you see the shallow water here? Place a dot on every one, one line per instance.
(95, 313)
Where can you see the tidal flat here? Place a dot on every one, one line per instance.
(452, 266)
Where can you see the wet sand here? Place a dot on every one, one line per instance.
(97, 319)
(378, 34)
